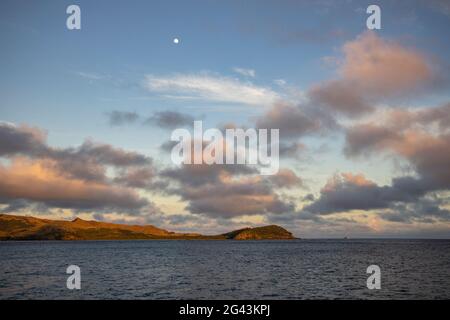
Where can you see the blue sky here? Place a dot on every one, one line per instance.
(67, 82)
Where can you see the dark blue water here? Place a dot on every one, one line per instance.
(300, 269)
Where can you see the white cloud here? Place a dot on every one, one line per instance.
(211, 88)
(90, 75)
(245, 72)
(280, 82)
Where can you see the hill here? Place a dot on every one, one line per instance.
(30, 228)
(260, 233)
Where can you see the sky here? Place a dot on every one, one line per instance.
(364, 115)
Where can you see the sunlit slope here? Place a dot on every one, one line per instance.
(30, 228)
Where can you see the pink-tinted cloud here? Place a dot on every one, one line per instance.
(380, 67)
(36, 180)
(421, 137)
(373, 70)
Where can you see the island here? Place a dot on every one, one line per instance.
(13, 227)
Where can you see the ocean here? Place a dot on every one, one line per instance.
(203, 269)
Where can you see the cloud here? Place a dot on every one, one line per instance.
(91, 75)
(361, 138)
(211, 88)
(372, 71)
(295, 121)
(290, 120)
(229, 191)
(439, 116)
(245, 72)
(119, 118)
(37, 181)
(197, 175)
(291, 149)
(170, 119)
(15, 205)
(441, 6)
(90, 160)
(421, 137)
(285, 178)
(346, 192)
(426, 210)
(381, 67)
(141, 178)
(341, 97)
(102, 153)
(164, 119)
(20, 139)
(77, 177)
(280, 82)
(24, 140)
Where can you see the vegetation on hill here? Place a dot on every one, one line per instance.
(260, 233)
